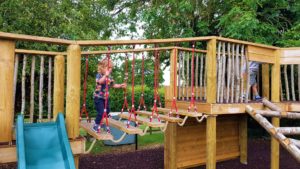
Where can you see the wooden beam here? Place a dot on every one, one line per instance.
(7, 57)
(211, 142)
(73, 91)
(59, 85)
(38, 52)
(290, 56)
(170, 147)
(266, 81)
(139, 50)
(8, 154)
(136, 42)
(211, 63)
(243, 136)
(22, 37)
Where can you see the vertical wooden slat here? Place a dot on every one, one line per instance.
(31, 111)
(223, 72)
(248, 76)
(211, 142)
(242, 72)
(59, 86)
(287, 90)
(228, 73)
(275, 98)
(187, 74)
(293, 83)
(7, 52)
(232, 73)
(15, 80)
(266, 81)
(73, 90)
(23, 84)
(219, 71)
(197, 76)
(201, 76)
(237, 73)
(49, 88)
(170, 147)
(41, 89)
(243, 136)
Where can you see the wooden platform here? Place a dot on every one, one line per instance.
(161, 116)
(143, 120)
(180, 112)
(123, 127)
(99, 136)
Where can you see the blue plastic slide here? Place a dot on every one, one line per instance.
(43, 145)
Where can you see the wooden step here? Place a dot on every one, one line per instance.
(99, 136)
(180, 112)
(123, 127)
(161, 116)
(142, 120)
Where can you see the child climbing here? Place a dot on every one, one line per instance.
(104, 70)
(253, 70)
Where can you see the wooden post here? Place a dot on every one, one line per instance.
(173, 73)
(59, 85)
(211, 64)
(211, 142)
(73, 93)
(73, 90)
(170, 142)
(275, 97)
(243, 134)
(265, 81)
(7, 57)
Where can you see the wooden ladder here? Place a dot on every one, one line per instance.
(290, 144)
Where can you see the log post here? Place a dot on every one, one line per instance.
(211, 63)
(275, 97)
(243, 134)
(170, 141)
(59, 85)
(7, 57)
(73, 90)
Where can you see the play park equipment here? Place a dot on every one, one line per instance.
(206, 104)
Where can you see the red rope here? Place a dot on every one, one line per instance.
(132, 110)
(83, 108)
(192, 103)
(156, 67)
(106, 94)
(125, 104)
(142, 100)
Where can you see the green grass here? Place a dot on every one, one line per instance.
(155, 138)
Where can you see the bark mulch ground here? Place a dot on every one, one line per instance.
(258, 158)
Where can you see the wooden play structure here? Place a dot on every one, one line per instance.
(206, 103)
